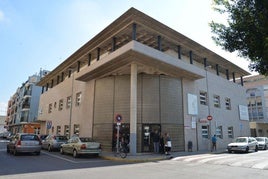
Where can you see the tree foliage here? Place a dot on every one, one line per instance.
(246, 30)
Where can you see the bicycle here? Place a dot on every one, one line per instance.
(122, 151)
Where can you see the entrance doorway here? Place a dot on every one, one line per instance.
(147, 132)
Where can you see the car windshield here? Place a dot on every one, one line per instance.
(241, 140)
(29, 137)
(260, 139)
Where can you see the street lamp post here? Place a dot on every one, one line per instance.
(209, 115)
(71, 105)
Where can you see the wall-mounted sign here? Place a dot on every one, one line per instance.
(192, 104)
(243, 112)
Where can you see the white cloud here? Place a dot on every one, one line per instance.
(1, 16)
(3, 108)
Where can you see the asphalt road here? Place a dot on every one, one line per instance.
(46, 161)
(54, 165)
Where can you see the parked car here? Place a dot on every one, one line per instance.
(5, 135)
(80, 146)
(24, 143)
(263, 142)
(243, 144)
(53, 142)
(42, 136)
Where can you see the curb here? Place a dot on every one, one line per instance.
(144, 158)
(129, 159)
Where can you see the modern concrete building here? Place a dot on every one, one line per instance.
(146, 76)
(22, 110)
(257, 97)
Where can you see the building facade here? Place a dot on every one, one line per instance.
(151, 76)
(257, 97)
(2, 124)
(22, 108)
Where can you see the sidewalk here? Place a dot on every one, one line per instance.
(149, 157)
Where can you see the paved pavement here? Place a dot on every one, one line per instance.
(148, 157)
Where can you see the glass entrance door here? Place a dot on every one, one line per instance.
(147, 132)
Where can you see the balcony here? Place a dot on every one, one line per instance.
(25, 106)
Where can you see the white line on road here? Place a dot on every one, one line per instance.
(69, 160)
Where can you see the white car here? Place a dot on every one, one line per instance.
(263, 142)
(243, 144)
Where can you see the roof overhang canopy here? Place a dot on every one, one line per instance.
(148, 59)
(148, 29)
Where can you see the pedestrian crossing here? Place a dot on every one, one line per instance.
(257, 160)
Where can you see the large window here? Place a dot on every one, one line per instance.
(66, 130)
(216, 101)
(205, 131)
(68, 102)
(78, 99)
(50, 108)
(228, 103)
(255, 106)
(230, 132)
(58, 130)
(219, 132)
(76, 129)
(60, 104)
(203, 97)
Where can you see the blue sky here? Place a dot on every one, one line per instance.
(38, 34)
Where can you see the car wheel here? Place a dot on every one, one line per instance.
(256, 148)
(75, 155)
(49, 148)
(8, 150)
(229, 151)
(61, 150)
(247, 149)
(37, 153)
(265, 147)
(15, 152)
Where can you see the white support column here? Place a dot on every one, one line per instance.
(133, 109)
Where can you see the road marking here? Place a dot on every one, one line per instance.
(260, 165)
(69, 160)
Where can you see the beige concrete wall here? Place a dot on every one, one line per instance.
(221, 117)
(159, 102)
(81, 114)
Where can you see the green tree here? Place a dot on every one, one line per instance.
(246, 30)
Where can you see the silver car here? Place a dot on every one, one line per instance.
(53, 142)
(80, 146)
(263, 142)
(24, 143)
(243, 144)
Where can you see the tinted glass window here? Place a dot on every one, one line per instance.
(29, 137)
(86, 139)
(60, 138)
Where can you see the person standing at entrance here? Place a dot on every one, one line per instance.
(162, 144)
(167, 144)
(214, 143)
(156, 140)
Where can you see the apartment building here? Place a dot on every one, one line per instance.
(22, 110)
(137, 76)
(257, 97)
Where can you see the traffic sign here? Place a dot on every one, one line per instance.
(118, 118)
(209, 117)
(49, 124)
